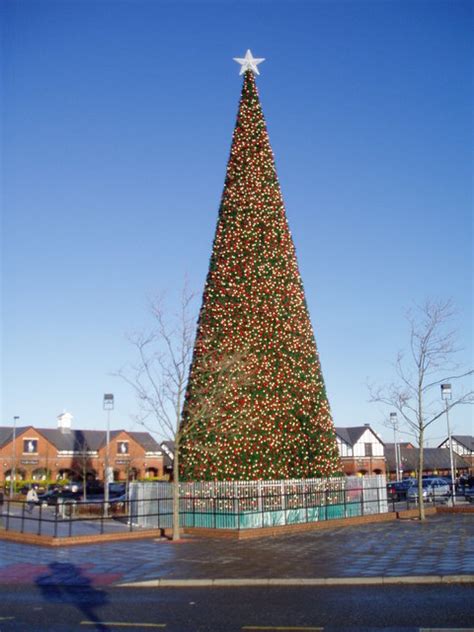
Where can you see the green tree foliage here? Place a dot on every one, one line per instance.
(275, 423)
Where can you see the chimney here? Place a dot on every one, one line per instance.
(65, 422)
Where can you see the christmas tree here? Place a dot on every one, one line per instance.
(270, 419)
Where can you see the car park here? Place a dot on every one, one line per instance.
(469, 494)
(433, 489)
(26, 488)
(55, 496)
(117, 488)
(75, 487)
(397, 490)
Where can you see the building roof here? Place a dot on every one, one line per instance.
(402, 444)
(168, 453)
(146, 441)
(78, 440)
(75, 440)
(352, 434)
(433, 458)
(465, 440)
(6, 433)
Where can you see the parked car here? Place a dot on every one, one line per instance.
(397, 490)
(58, 495)
(92, 486)
(117, 489)
(447, 480)
(433, 489)
(100, 498)
(26, 488)
(74, 486)
(97, 492)
(469, 494)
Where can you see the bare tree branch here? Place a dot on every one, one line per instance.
(159, 380)
(432, 351)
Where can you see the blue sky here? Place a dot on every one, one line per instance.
(117, 123)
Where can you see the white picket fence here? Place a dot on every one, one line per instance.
(253, 504)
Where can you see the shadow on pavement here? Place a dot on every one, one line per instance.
(66, 584)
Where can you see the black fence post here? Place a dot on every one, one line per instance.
(127, 512)
(56, 521)
(40, 517)
(236, 510)
(22, 516)
(102, 518)
(70, 505)
(7, 526)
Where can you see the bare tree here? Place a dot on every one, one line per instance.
(159, 380)
(432, 352)
(82, 463)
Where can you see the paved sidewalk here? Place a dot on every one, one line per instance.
(443, 545)
(47, 521)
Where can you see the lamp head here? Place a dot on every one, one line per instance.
(446, 392)
(108, 401)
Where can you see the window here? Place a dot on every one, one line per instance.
(368, 449)
(30, 446)
(122, 447)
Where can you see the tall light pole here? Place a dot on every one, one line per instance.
(394, 423)
(13, 467)
(446, 394)
(108, 405)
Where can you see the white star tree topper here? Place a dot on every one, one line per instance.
(249, 62)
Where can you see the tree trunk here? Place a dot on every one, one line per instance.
(84, 480)
(175, 493)
(421, 502)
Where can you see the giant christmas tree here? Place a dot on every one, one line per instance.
(271, 419)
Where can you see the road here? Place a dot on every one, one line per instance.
(355, 609)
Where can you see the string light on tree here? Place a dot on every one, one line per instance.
(277, 423)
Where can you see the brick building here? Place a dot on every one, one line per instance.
(463, 447)
(436, 462)
(55, 453)
(361, 450)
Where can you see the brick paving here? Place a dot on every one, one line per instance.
(47, 522)
(443, 545)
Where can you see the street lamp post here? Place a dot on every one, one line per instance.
(13, 467)
(446, 394)
(394, 423)
(108, 405)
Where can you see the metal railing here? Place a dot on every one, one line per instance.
(255, 504)
(404, 500)
(66, 519)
